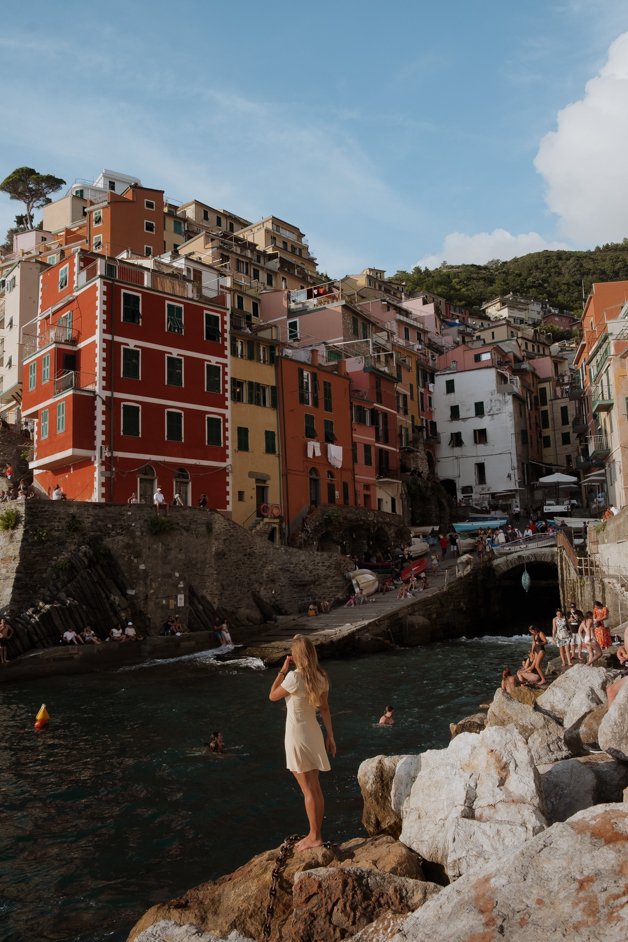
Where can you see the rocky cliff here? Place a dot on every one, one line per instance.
(514, 832)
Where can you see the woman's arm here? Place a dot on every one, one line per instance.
(553, 628)
(326, 717)
(277, 692)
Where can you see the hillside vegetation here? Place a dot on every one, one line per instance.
(558, 277)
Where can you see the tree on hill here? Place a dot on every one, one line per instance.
(31, 188)
(562, 278)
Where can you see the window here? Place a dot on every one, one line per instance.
(212, 326)
(174, 371)
(481, 357)
(45, 368)
(174, 426)
(564, 415)
(242, 266)
(130, 419)
(368, 455)
(331, 488)
(454, 413)
(149, 225)
(148, 251)
(524, 436)
(480, 473)
(345, 493)
(131, 308)
(149, 204)
(543, 396)
(130, 363)
(63, 277)
(479, 408)
(270, 443)
(32, 375)
(243, 438)
(455, 440)
(213, 425)
(218, 219)
(241, 495)
(112, 185)
(255, 308)
(547, 441)
(354, 453)
(174, 318)
(97, 217)
(308, 387)
(269, 279)
(43, 424)
(565, 438)
(97, 243)
(544, 418)
(365, 330)
(293, 330)
(327, 397)
(213, 378)
(330, 438)
(60, 417)
(355, 326)
(479, 436)
(177, 225)
(310, 429)
(237, 390)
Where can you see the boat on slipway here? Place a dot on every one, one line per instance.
(485, 523)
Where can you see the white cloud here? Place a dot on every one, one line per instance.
(584, 160)
(460, 248)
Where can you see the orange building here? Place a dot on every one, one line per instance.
(315, 417)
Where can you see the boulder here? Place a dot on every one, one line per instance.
(334, 903)
(582, 738)
(383, 929)
(526, 694)
(165, 931)
(569, 882)
(470, 724)
(610, 774)
(568, 787)
(371, 642)
(543, 734)
(576, 692)
(238, 902)
(473, 800)
(415, 630)
(375, 777)
(613, 731)
(406, 772)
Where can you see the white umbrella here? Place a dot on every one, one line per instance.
(558, 478)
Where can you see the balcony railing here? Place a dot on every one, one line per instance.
(149, 278)
(598, 446)
(71, 379)
(57, 334)
(601, 399)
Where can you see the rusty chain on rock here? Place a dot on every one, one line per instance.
(282, 859)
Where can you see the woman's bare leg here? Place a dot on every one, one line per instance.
(314, 808)
(537, 665)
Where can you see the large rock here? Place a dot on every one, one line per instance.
(474, 723)
(568, 787)
(238, 902)
(582, 738)
(334, 903)
(172, 932)
(472, 800)
(405, 775)
(613, 731)
(375, 777)
(543, 734)
(383, 929)
(568, 882)
(576, 692)
(611, 776)
(415, 630)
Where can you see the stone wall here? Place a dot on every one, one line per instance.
(72, 564)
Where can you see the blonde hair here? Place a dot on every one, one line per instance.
(306, 662)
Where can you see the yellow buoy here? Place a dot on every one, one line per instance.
(42, 717)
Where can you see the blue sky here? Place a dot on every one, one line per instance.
(391, 133)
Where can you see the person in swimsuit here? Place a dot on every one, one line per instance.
(509, 681)
(537, 651)
(586, 636)
(574, 617)
(388, 719)
(304, 685)
(6, 632)
(561, 635)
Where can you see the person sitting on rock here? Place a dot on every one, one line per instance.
(509, 681)
(622, 655)
(130, 634)
(527, 675)
(222, 633)
(71, 637)
(602, 635)
(89, 636)
(116, 634)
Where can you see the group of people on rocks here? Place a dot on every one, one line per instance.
(89, 636)
(580, 637)
(16, 489)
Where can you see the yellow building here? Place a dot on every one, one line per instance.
(255, 461)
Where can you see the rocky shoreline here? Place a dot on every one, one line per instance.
(516, 830)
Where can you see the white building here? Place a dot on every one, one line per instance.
(480, 415)
(517, 310)
(19, 298)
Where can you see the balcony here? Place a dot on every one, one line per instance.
(59, 333)
(579, 426)
(599, 448)
(71, 379)
(166, 282)
(575, 391)
(601, 399)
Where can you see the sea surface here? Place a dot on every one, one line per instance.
(117, 804)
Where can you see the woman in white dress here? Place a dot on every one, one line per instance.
(304, 685)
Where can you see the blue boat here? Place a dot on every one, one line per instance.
(488, 523)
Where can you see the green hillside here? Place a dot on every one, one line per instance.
(557, 277)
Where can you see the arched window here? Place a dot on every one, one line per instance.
(182, 486)
(315, 487)
(331, 488)
(146, 483)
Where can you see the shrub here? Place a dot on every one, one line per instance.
(9, 519)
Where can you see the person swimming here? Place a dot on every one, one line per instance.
(388, 718)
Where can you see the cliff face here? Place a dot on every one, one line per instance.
(74, 564)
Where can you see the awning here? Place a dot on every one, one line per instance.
(595, 478)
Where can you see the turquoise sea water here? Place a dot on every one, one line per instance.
(117, 805)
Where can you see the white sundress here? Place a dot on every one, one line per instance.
(305, 747)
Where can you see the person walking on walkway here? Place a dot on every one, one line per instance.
(305, 687)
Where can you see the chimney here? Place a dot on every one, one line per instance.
(342, 367)
(314, 357)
